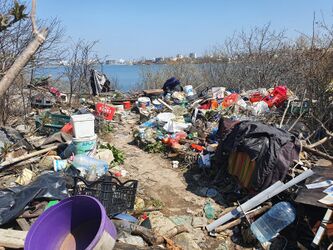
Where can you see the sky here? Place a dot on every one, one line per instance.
(134, 29)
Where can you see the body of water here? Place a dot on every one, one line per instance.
(128, 77)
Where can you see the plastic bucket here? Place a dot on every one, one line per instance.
(84, 145)
(127, 105)
(78, 222)
(157, 105)
(144, 100)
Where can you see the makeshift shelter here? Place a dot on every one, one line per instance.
(257, 154)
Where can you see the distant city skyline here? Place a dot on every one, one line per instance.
(149, 29)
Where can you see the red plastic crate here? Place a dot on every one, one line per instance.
(105, 110)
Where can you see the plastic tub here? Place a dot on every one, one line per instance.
(79, 222)
(157, 105)
(84, 125)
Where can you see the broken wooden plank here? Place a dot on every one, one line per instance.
(317, 152)
(153, 92)
(126, 246)
(25, 157)
(165, 104)
(12, 238)
(24, 225)
(251, 215)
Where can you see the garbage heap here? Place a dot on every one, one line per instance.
(250, 153)
(251, 146)
(61, 184)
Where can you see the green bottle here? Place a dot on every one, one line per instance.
(209, 211)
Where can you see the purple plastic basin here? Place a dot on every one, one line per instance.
(79, 220)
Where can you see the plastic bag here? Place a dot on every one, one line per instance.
(173, 127)
(260, 108)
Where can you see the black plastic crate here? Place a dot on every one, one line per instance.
(116, 197)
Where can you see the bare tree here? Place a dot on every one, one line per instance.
(81, 60)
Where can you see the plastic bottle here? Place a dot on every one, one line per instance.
(277, 218)
(92, 176)
(149, 124)
(85, 164)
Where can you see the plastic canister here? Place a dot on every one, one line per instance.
(157, 105)
(188, 89)
(277, 218)
(84, 125)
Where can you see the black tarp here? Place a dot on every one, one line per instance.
(273, 149)
(49, 186)
(99, 82)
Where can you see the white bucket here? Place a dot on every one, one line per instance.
(188, 89)
(144, 100)
(84, 125)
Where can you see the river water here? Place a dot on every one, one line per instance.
(128, 77)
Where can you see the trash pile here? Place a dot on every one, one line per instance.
(239, 149)
(64, 185)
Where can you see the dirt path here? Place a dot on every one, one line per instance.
(157, 179)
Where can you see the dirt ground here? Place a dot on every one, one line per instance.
(157, 179)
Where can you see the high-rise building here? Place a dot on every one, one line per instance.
(192, 55)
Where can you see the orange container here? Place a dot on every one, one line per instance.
(127, 105)
(214, 104)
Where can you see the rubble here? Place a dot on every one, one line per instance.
(204, 157)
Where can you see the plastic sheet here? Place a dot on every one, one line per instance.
(50, 186)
